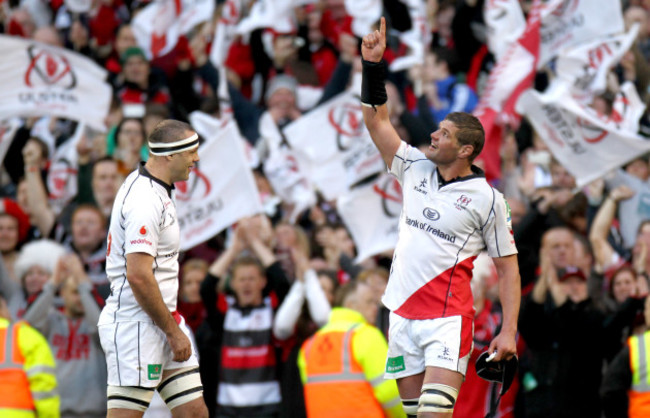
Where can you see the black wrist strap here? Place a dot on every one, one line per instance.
(373, 88)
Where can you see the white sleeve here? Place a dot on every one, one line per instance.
(497, 232)
(404, 157)
(287, 315)
(319, 307)
(141, 225)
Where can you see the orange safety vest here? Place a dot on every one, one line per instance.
(14, 385)
(336, 385)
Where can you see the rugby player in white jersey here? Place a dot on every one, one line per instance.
(449, 215)
(145, 340)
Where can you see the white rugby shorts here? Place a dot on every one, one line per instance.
(414, 344)
(137, 353)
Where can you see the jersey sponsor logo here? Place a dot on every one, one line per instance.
(432, 214)
(143, 230)
(422, 187)
(154, 371)
(140, 241)
(462, 202)
(395, 364)
(430, 229)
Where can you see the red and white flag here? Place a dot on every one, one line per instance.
(416, 39)
(159, 25)
(39, 79)
(285, 169)
(512, 75)
(335, 144)
(225, 31)
(566, 23)
(585, 67)
(587, 144)
(221, 189)
(371, 213)
(64, 167)
(505, 23)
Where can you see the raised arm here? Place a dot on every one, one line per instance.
(373, 94)
(603, 251)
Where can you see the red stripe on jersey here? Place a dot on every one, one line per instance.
(247, 357)
(466, 336)
(445, 295)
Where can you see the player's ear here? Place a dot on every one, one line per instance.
(466, 151)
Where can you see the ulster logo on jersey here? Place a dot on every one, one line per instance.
(462, 202)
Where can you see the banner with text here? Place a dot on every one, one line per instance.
(566, 23)
(371, 213)
(39, 79)
(585, 66)
(221, 189)
(335, 144)
(587, 144)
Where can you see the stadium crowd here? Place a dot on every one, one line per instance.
(583, 251)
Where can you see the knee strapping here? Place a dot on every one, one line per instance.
(129, 397)
(181, 387)
(437, 397)
(410, 407)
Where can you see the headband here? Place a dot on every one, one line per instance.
(169, 148)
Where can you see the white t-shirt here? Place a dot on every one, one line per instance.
(143, 221)
(442, 229)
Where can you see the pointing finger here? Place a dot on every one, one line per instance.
(382, 27)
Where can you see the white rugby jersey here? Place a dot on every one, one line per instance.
(143, 220)
(442, 229)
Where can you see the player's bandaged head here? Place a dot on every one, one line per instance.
(162, 140)
(503, 371)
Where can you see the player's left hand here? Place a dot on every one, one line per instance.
(505, 346)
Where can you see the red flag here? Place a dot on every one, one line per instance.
(511, 76)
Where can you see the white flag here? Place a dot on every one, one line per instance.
(64, 167)
(505, 23)
(225, 31)
(8, 130)
(588, 145)
(159, 25)
(585, 67)
(39, 79)
(334, 142)
(371, 212)
(285, 169)
(221, 189)
(364, 14)
(416, 39)
(275, 14)
(567, 23)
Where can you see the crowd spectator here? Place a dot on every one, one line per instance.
(342, 364)
(28, 384)
(72, 334)
(248, 372)
(270, 77)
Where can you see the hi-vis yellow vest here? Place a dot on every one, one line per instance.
(639, 393)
